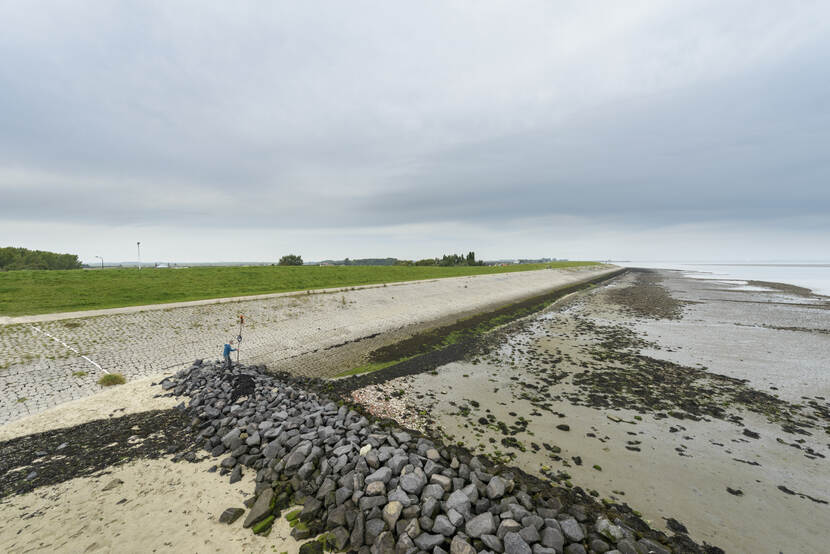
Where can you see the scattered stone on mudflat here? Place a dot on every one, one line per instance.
(312, 547)
(751, 434)
(228, 462)
(735, 492)
(675, 526)
(230, 515)
(112, 484)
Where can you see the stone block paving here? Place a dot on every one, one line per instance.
(37, 372)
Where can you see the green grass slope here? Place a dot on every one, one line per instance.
(39, 292)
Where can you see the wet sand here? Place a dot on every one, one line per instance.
(677, 461)
(770, 336)
(159, 506)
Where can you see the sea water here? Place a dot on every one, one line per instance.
(814, 276)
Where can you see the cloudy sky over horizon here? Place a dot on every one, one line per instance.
(242, 131)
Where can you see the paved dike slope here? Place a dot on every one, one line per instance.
(309, 334)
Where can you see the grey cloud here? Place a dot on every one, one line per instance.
(361, 116)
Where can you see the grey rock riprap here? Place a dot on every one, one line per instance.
(403, 494)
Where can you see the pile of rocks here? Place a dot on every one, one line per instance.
(370, 487)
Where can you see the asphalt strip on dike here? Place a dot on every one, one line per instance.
(425, 351)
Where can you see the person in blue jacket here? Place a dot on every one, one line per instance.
(227, 354)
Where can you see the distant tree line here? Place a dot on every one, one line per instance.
(22, 258)
(452, 259)
(364, 261)
(445, 260)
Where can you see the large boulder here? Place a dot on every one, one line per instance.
(261, 508)
(427, 541)
(460, 546)
(572, 529)
(414, 481)
(482, 524)
(515, 544)
(391, 513)
(383, 474)
(496, 488)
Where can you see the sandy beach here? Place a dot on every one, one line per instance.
(156, 506)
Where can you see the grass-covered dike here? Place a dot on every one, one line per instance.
(41, 292)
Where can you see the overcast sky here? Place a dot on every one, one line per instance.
(247, 130)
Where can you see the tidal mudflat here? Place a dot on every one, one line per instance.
(701, 404)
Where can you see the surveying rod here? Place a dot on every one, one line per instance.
(239, 336)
